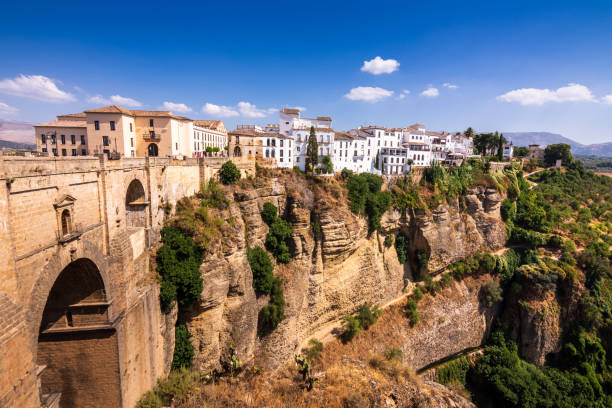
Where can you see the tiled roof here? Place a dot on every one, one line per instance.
(329, 130)
(347, 136)
(64, 124)
(417, 125)
(290, 111)
(209, 124)
(110, 109)
(161, 114)
(73, 115)
(326, 118)
(253, 133)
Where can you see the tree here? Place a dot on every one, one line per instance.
(500, 147)
(558, 151)
(312, 150)
(229, 172)
(469, 132)
(263, 276)
(328, 166)
(521, 151)
(268, 215)
(377, 160)
(183, 349)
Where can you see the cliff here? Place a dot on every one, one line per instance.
(334, 270)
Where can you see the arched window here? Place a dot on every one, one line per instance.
(153, 150)
(66, 223)
(237, 152)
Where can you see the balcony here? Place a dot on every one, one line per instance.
(151, 135)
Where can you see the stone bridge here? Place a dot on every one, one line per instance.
(80, 322)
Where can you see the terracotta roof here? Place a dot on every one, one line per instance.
(110, 109)
(330, 130)
(73, 115)
(417, 125)
(254, 133)
(290, 111)
(160, 114)
(64, 124)
(327, 118)
(209, 124)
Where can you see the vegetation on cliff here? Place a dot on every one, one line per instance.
(366, 198)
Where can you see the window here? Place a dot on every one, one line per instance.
(176, 146)
(43, 139)
(132, 153)
(105, 141)
(132, 142)
(83, 152)
(281, 153)
(82, 139)
(63, 139)
(97, 124)
(112, 125)
(281, 143)
(74, 153)
(54, 152)
(131, 127)
(44, 149)
(73, 139)
(150, 122)
(52, 139)
(64, 153)
(66, 224)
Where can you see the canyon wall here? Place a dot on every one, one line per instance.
(335, 271)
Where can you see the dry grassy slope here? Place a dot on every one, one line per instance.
(333, 275)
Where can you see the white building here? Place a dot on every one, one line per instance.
(210, 134)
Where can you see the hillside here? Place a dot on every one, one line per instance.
(546, 138)
(15, 145)
(19, 132)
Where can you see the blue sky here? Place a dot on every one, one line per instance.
(511, 66)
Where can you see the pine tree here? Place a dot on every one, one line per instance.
(312, 150)
(469, 132)
(500, 148)
(376, 161)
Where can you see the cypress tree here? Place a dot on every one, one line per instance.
(500, 148)
(312, 150)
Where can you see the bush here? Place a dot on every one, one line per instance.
(178, 264)
(418, 293)
(183, 349)
(346, 173)
(269, 213)
(213, 196)
(422, 260)
(277, 240)
(454, 372)
(401, 248)
(352, 328)
(490, 293)
(388, 241)
(315, 349)
(274, 312)
(229, 173)
(508, 210)
(411, 312)
(366, 198)
(177, 386)
(394, 354)
(365, 318)
(263, 277)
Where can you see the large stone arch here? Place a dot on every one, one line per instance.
(75, 337)
(136, 204)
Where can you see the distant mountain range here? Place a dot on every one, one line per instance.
(19, 132)
(545, 138)
(15, 145)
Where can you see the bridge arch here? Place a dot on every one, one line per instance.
(136, 205)
(72, 333)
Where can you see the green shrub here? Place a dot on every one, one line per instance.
(263, 276)
(274, 312)
(393, 354)
(422, 260)
(490, 293)
(366, 198)
(352, 327)
(346, 173)
(177, 386)
(411, 312)
(388, 241)
(508, 210)
(278, 238)
(446, 280)
(269, 213)
(454, 372)
(367, 316)
(315, 349)
(229, 173)
(183, 349)
(418, 293)
(178, 265)
(213, 196)
(401, 248)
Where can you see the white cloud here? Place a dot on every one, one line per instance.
(368, 94)
(450, 86)
(607, 99)
(177, 107)
(430, 92)
(115, 99)
(37, 87)
(535, 96)
(251, 111)
(379, 66)
(129, 102)
(401, 96)
(7, 110)
(219, 110)
(406, 91)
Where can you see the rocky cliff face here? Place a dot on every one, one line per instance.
(332, 273)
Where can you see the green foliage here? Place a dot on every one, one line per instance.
(401, 247)
(328, 165)
(405, 195)
(213, 196)
(178, 265)
(490, 293)
(365, 318)
(417, 293)
(488, 143)
(269, 213)
(558, 151)
(366, 198)
(393, 354)
(183, 349)
(454, 372)
(278, 238)
(521, 151)
(346, 173)
(388, 241)
(263, 276)
(315, 349)
(411, 312)
(508, 210)
(229, 173)
(274, 312)
(312, 150)
(176, 387)
(422, 260)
